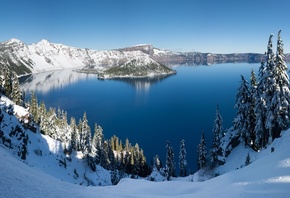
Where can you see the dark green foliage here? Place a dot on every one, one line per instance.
(170, 164)
(202, 152)
(248, 160)
(182, 159)
(217, 135)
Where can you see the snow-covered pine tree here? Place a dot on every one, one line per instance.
(182, 159)
(217, 135)
(33, 106)
(260, 109)
(1, 82)
(15, 92)
(97, 143)
(7, 82)
(242, 119)
(85, 136)
(157, 163)
(252, 116)
(270, 85)
(111, 157)
(202, 152)
(280, 103)
(170, 164)
(75, 138)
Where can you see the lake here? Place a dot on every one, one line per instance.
(149, 111)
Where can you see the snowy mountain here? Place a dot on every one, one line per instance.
(47, 56)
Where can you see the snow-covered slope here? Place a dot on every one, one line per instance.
(46, 56)
(267, 176)
(43, 152)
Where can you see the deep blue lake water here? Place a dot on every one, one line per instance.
(149, 112)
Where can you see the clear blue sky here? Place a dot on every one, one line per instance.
(219, 26)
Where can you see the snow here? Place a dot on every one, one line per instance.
(263, 178)
(41, 175)
(46, 56)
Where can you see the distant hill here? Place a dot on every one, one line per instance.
(47, 56)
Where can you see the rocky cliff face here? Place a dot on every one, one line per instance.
(46, 56)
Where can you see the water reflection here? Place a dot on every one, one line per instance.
(142, 86)
(48, 81)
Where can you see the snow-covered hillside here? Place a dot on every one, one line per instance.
(43, 173)
(43, 152)
(267, 176)
(47, 56)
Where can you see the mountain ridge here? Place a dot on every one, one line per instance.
(46, 56)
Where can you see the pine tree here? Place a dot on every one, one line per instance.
(75, 139)
(15, 92)
(170, 164)
(33, 106)
(7, 82)
(1, 82)
(217, 135)
(85, 136)
(270, 82)
(111, 157)
(280, 103)
(182, 159)
(248, 160)
(243, 103)
(202, 152)
(98, 141)
(252, 116)
(157, 163)
(260, 109)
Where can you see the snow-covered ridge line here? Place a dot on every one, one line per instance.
(47, 56)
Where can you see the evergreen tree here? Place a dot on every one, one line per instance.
(270, 84)
(111, 157)
(33, 106)
(75, 139)
(44, 123)
(182, 159)
(243, 103)
(202, 152)
(98, 141)
(217, 135)
(248, 160)
(7, 82)
(260, 109)
(15, 92)
(252, 116)
(170, 164)
(1, 82)
(280, 103)
(85, 136)
(157, 163)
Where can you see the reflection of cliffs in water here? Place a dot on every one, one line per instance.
(44, 82)
(142, 84)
